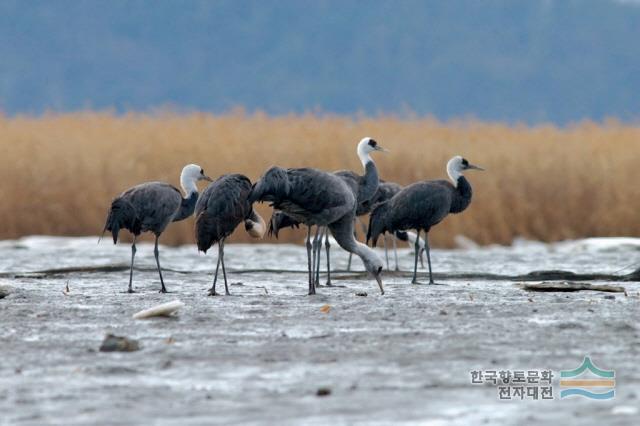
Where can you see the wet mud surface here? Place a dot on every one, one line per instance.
(270, 354)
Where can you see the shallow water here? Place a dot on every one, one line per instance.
(260, 355)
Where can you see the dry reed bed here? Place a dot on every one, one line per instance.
(60, 172)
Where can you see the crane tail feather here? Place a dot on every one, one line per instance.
(377, 223)
(122, 215)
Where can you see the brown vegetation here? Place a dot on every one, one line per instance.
(60, 172)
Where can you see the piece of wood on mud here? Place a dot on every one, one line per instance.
(570, 286)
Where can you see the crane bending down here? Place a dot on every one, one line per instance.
(222, 206)
(314, 197)
(422, 205)
(363, 187)
(151, 207)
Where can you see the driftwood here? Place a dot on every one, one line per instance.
(564, 286)
(553, 275)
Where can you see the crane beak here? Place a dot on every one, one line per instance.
(379, 280)
(474, 167)
(379, 148)
(207, 178)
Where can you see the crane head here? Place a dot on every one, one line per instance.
(368, 145)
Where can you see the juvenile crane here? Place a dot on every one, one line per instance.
(314, 197)
(151, 207)
(222, 206)
(422, 205)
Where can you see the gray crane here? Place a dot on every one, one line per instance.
(152, 206)
(385, 191)
(422, 205)
(222, 206)
(317, 198)
(363, 187)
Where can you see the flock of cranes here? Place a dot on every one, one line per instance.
(329, 201)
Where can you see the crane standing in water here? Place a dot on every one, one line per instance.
(422, 205)
(364, 187)
(314, 197)
(222, 206)
(152, 206)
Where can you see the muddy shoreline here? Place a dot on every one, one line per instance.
(270, 354)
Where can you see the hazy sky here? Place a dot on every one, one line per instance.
(530, 61)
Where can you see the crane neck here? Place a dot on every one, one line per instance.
(188, 185)
(454, 173)
(364, 155)
(342, 231)
(370, 183)
(462, 195)
(187, 207)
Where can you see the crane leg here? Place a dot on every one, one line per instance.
(133, 255)
(312, 288)
(355, 236)
(224, 273)
(212, 291)
(327, 246)
(156, 253)
(415, 262)
(395, 251)
(421, 257)
(317, 247)
(427, 249)
(313, 259)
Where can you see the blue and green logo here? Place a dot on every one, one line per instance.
(602, 386)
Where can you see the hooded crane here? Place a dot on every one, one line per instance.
(422, 205)
(222, 206)
(314, 197)
(385, 191)
(151, 207)
(363, 187)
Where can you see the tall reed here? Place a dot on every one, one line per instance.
(59, 172)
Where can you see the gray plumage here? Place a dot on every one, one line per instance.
(146, 207)
(222, 206)
(314, 197)
(151, 207)
(309, 196)
(280, 220)
(384, 191)
(363, 188)
(423, 205)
